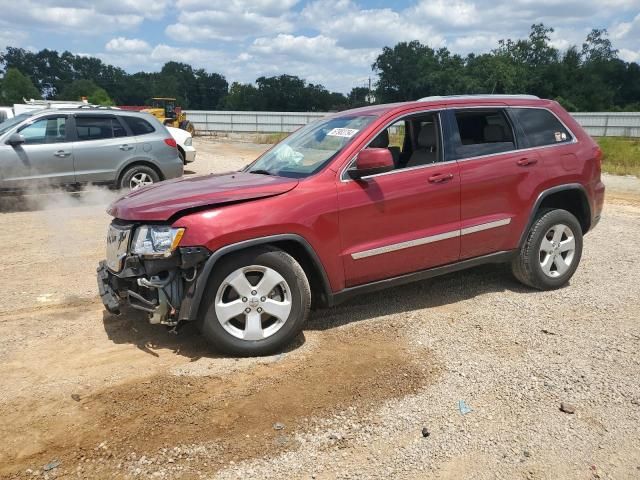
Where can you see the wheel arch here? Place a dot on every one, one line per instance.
(571, 197)
(181, 150)
(295, 245)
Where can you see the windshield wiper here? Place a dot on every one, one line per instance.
(261, 172)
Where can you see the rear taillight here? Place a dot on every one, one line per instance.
(597, 155)
(171, 142)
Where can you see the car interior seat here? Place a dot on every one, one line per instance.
(427, 151)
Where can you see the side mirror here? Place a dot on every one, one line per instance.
(16, 139)
(371, 161)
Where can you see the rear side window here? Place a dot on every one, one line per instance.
(541, 127)
(3, 116)
(98, 128)
(483, 132)
(139, 126)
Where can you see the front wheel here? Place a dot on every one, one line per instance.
(256, 302)
(551, 252)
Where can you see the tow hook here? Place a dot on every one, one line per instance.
(175, 330)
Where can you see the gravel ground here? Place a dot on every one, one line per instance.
(117, 398)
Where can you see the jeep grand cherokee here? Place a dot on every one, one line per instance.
(361, 200)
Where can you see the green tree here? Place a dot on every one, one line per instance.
(358, 97)
(242, 96)
(16, 87)
(78, 89)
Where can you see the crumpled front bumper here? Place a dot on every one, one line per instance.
(110, 299)
(163, 287)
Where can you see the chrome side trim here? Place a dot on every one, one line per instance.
(408, 244)
(485, 226)
(430, 239)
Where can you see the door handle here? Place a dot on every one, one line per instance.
(61, 154)
(440, 177)
(523, 162)
(126, 147)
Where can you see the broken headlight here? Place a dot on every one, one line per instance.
(156, 240)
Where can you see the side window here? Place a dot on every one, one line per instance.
(412, 140)
(541, 127)
(483, 132)
(118, 128)
(3, 116)
(139, 126)
(45, 130)
(93, 128)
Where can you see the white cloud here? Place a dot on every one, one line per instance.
(456, 12)
(264, 7)
(122, 44)
(354, 27)
(11, 37)
(627, 30)
(629, 55)
(81, 17)
(236, 19)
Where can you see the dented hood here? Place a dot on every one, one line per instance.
(162, 201)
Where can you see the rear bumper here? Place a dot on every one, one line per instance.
(189, 154)
(173, 169)
(598, 203)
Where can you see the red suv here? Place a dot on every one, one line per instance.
(359, 201)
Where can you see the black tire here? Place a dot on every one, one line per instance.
(181, 155)
(298, 284)
(188, 126)
(526, 265)
(129, 173)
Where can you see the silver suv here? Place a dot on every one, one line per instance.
(80, 146)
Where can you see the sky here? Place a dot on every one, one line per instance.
(330, 42)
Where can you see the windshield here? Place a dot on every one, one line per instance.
(307, 150)
(12, 122)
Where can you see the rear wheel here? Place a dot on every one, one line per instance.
(256, 302)
(138, 176)
(551, 252)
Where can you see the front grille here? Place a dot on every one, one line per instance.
(117, 246)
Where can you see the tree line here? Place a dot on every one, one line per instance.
(590, 77)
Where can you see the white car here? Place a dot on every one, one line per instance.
(186, 150)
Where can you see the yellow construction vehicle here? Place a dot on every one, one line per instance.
(165, 110)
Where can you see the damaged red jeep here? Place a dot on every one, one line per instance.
(359, 201)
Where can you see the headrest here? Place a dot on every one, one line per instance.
(427, 136)
(493, 133)
(381, 141)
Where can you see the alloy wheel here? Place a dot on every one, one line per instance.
(557, 250)
(253, 303)
(140, 179)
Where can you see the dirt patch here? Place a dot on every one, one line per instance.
(235, 413)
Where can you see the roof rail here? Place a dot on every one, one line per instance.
(96, 107)
(476, 96)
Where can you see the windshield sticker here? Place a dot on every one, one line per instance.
(342, 132)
